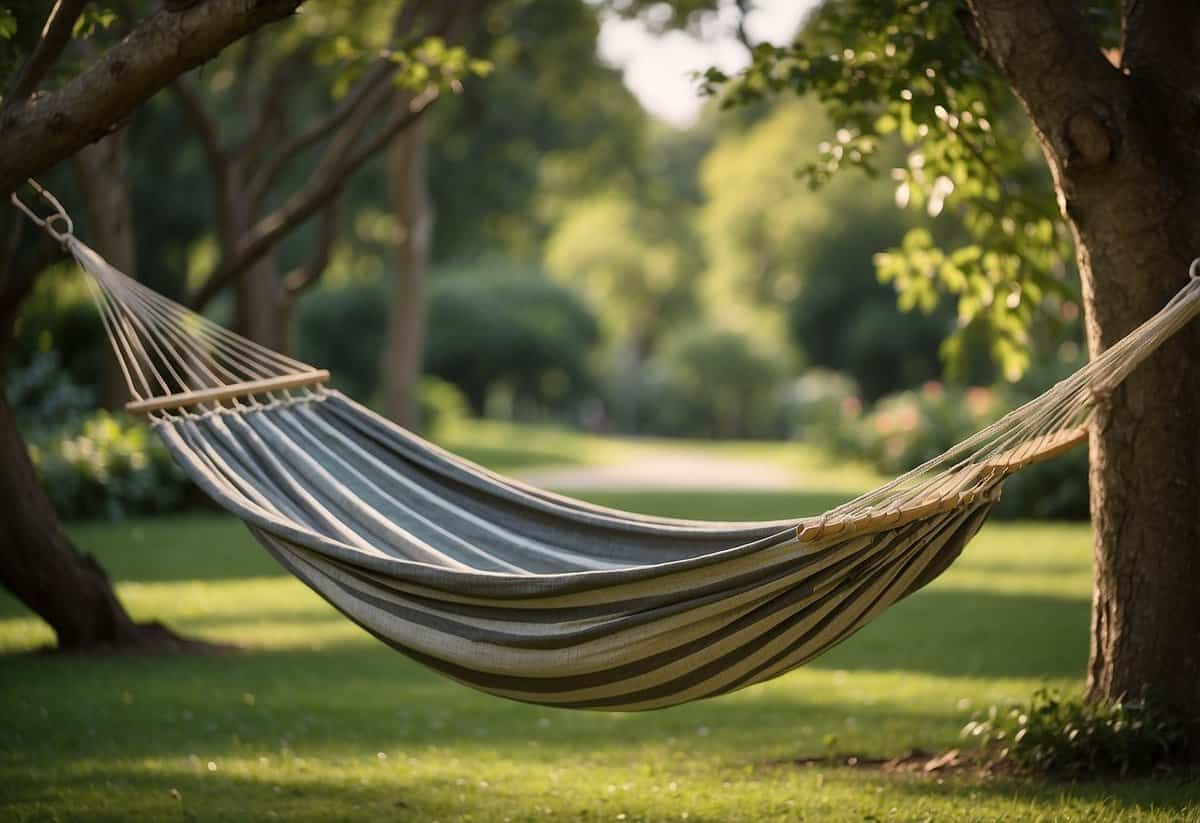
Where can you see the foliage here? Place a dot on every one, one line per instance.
(42, 395)
(514, 331)
(1054, 490)
(107, 466)
(905, 429)
(716, 382)
(490, 326)
(817, 402)
(93, 464)
(342, 327)
(550, 124)
(905, 68)
(633, 260)
(794, 258)
(1065, 736)
(439, 404)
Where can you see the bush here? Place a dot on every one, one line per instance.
(439, 404)
(1054, 490)
(517, 330)
(821, 405)
(107, 465)
(906, 429)
(714, 382)
(43, 397)
(344, 329)
(486, 326)
(1068, 737)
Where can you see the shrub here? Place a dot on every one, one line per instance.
(517, 330)
(821, 403)
(709, 381)
(439, 404)
(486, 326)
(107, 465)
(343, 329)
(906, 429)
(1072, 738)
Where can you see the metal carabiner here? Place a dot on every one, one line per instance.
(58, 225)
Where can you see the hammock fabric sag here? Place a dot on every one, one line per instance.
(533, 596)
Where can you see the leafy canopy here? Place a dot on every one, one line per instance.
(907, 71)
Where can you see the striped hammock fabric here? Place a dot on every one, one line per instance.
(536, 597)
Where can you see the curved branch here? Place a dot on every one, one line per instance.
(39, 132)
(342, 159)
(303, 277)
(55, 36)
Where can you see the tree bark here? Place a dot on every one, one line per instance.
(406, 318)
(38, 564)
(1121, 147)
(101, 172)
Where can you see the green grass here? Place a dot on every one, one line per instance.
(313, 720)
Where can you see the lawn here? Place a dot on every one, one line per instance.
(314, 720)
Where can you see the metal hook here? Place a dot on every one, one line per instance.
(48, 224)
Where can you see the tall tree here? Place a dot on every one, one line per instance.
(413, 211)
(382, 86)
(1110, 91)
(42, 124)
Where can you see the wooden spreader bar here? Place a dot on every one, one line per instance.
(216, 394)
(987, 474)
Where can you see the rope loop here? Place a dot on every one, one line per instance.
(1194, 269)
(58, 225)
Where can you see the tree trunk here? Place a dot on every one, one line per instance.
(1121, 146)
(406, 317)
(258, 293)
(102, 177)
(38, 564)
(258, 305)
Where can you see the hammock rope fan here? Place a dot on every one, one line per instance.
(534, 596)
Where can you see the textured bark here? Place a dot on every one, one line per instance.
(39, 565)
(101, 172)
(37, 562)
(406, 316)
(1121, 146)
(39, 132)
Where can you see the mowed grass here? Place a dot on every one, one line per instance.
(314, 720)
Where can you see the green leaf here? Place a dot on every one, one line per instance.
(8, 24)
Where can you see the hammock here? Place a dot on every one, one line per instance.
(530, 595)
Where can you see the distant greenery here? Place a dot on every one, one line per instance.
(906, 70)
(493, 329)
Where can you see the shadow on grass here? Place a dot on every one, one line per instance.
(958, 632)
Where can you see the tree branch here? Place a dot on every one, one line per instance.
(342, 159)
(55, 36)
(303, 277)
(39, 132)
(366, 85)
(261, 183)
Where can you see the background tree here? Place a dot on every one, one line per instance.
(1110, 94)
